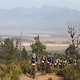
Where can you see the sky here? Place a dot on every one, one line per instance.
(8, 4)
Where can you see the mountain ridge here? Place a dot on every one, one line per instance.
(45, 19)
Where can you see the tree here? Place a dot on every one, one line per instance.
(7, 49)
(38, 47)
(24, 54)
(73, 48)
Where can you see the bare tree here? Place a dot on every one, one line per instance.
(75, 42)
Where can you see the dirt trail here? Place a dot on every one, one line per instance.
(41, 77)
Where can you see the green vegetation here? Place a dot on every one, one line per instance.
(71, 72)
(38, 47)
(7, 49)
(15, 61)
(9, 72)
(25, 67)
(10, 66)
(24, 54)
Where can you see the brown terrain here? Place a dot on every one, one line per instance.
(39, 76)
(52, 42)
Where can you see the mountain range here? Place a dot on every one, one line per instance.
(48, 19)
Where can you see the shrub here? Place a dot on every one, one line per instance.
(71, 72)
(26, 68)
(9, 72)
(14, 71)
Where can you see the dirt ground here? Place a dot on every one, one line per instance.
(39, 76)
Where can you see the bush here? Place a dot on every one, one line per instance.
(57, 71)
(26, 68)
(71, 72)
(14, 71)
(9, 72)
(3, 70)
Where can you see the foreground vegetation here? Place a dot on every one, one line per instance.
(9, 72)
(14, 59)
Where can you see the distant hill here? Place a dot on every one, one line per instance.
(48, 19)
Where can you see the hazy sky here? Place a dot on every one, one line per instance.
(74, 4)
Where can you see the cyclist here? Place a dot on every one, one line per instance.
(48, 62)
(43, 62)
(33, 61)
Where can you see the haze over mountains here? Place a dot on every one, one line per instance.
(48, 19)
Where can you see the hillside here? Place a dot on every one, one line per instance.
(48, 19)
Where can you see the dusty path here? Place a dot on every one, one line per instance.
(41, 77)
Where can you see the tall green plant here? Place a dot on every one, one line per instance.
(24, 54)
(7, 49)
(38, 47)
